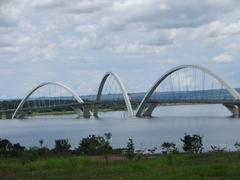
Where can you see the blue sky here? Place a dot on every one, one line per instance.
(76, 41)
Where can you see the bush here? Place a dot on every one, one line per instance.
(169, 148)
(5, 146)
(17, 150)
(9, 149)
(192, 143)
(62, 146)
(218, 149)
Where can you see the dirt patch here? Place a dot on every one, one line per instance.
(110, 158)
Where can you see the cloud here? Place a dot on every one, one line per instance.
(225, 57)
(217, 30)
(47, 4)
(43, 53)
(54, 36)
(87, 6)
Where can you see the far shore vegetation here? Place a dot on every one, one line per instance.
(54, 110)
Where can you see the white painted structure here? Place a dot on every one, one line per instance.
(122, 87)
(142, 111)
(79, 100)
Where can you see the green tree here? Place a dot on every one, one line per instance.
(95, 145)
(130, 149)
(41, 143)
(169, 148)
(192, 143)
(237, 146)
(107, 148)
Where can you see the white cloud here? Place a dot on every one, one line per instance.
(86, 28)
(43, 53)
(225, 57)
(217, 31)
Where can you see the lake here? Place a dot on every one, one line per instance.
(169, 124)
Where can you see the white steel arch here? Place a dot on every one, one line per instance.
(143, 103)
(44, 84)
(122, 87)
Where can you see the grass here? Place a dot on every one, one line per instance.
(179, 166)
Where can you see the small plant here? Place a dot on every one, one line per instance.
(192, 143)
(218, 149)
(169, 148)
(62, 146)
(130, 149)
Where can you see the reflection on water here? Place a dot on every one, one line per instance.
(168, 124)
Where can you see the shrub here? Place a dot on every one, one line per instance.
(192, 143)
(5, 145)
(169, 148)
(62, 146)
(218, 149)
(17, 150)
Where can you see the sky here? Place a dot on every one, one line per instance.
(76, 41)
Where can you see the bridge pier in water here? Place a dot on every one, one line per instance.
(9, 115)
(148, 111)
(84, 111)
(234, 109)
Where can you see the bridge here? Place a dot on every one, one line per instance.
(186, 84)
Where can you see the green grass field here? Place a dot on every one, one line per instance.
(178, 166)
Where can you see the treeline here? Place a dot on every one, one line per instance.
(100, 145)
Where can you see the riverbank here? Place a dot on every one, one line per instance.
(212, 165)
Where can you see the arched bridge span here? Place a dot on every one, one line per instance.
(147, 111)
(121, 86)
(78, 99)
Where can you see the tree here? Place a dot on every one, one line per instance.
(237, 146)
(62, 145)
(169, 147)
(95, 145)
(130, 149)
(192, 143)
(107, 148)
(153, 150)
(41, 142)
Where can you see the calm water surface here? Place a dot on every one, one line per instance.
(169, 124)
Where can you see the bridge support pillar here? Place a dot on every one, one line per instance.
(95, 111)
(83, 112)
(234, 109)
(8, 115)
(238, 110)
(149, 110)
(86, 112)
